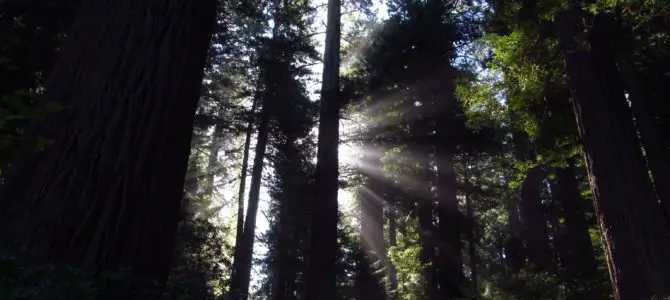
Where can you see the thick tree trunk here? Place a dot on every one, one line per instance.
(244, 252)
(102, 195)
(633, 230)
(321, 266)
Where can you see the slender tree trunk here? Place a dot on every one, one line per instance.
(190, 188)
(534, 218)
(632, 226)
(426, 255)
(515, 257)
(651, 139)
(532, 214)
(213, 166)
(472, 244)
(321, 265)
(393, 228)
(515, 250)
(576, 252)
(268, 77)
(244, 252)
(101, 196)
(239, 230)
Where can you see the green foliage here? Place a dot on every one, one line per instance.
(201, 260)
(404, 257)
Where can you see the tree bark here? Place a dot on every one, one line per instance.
(321, 266)
(632, 226)
(244, 252)
(102, 196)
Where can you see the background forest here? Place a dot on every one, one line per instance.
(339, 149)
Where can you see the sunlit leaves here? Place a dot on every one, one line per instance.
(404, 257)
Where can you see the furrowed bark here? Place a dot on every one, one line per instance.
(107, 193)
(632, 226)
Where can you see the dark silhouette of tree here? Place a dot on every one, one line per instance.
(321, 273)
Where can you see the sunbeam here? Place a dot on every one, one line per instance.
(372, 227)
(369, 195)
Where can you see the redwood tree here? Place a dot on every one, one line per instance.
(321, 265)
(633, 229)
(106, 193)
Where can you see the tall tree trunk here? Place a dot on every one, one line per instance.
(533, 216)
(321, 265)
(515, 257)
(101, 196)
(515, 250)
(244, 252)
(651, 139)
(449, 253)
(267, 91)
(536, 234)
(239, 229)
(576, 252)
(287, 262)
(632, 227)
(428, 234)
